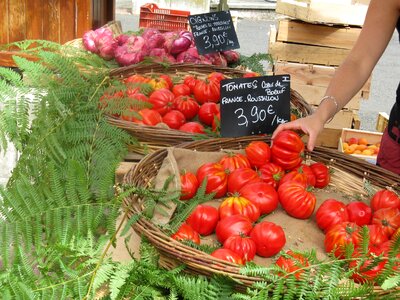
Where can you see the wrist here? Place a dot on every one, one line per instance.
(332, 107)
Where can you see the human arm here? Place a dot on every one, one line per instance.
(376, 33)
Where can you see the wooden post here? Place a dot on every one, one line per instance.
(223, 5)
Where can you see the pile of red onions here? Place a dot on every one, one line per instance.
(170, 46)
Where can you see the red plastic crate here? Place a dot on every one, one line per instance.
(163, 19)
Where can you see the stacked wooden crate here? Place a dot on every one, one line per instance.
(312, 39)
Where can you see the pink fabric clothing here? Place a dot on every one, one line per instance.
(389, 152)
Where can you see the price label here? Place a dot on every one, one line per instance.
(213, 32)
(254, 105)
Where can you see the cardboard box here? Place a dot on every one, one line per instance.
(373, 138)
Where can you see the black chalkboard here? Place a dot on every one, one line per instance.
(254, 105)
(213, 32)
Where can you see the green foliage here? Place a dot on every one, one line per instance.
(255, 62)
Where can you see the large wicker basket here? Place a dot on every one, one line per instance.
(156, 137)
(349, 175)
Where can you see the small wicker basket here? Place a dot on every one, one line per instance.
(156, 137)
(349, 176)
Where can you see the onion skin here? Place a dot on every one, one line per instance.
(132, 52)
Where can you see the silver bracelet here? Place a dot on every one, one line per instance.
(334, 101)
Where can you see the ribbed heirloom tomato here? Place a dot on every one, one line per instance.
(207, 112)
(233, 161)
(261, 194)
(228, 255)
(294, 176)
(287, 150)
(359, 213)
(233, 225)
(258, 153)
(330, 213)
(192, 127)
(189, 185)
(292, 263)
(236, 205)
(162, 100)
(203, 219)
(148, 117)
(271, 174)
(186, 105)
(384, 199)
(216, 176)
(388, 218)
(340, 236)
(269, 238)
(186, 233)
(322, 175)
(306, 169)
(376, 238)
(242, 245)
(207, 91)
(296, 200)
(174, 119)
(239, 177)
(181, 90)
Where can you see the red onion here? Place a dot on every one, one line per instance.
(132, 52)
(231, 56)
(170, 37)
(160, 55)
(89, 41)
(182, 43)
(100, 41)
(154, 38)
(121, 39)
(217, 59)
(190, 55)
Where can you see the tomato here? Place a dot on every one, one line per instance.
(296, 200)
(207, 112)
(368, 270)
(269, 238)
(190, 81)
(192, 127)
(292, 263)
(330, 213)
(232, 225)
(162, 100)
(168, 79)
(181, 90)
(207, 91)
(236, 205)
(376, 238)
(174, 119)
(217, 178)
(216, 76)
(148, 117)
(233, 161)
(186, 105)
(287, 149)
(261, 194)
(109, 102)
(271, 174)
(189, 185)
(322, 175)
(136, 78)
(242, 245)
(294, 176)
(359, 213)
(251, 74)
(186, 233)
(158, 83)
(306, 170)
(203, 219)
(258, 153)
(216, 123)
(137, 100)
(239, 177)
(388, 218)
(228, 255)
(383, 199)
(341, 235)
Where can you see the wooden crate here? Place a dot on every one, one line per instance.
(311, 81)
(348, 12)
(382, 122)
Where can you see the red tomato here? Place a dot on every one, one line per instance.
(269, 238)
(383, 199)
(217, 178)
(207, 91)
(162, 100)
(186, 105)
(136, 78)
(359, 213)
(287, 150)
(306, 169)
(181, 90)
(388, 218)
(138, 100)
(368, 271)
(203, 219)
(192, 127)
(110, 103)
(296, 200)
(376, 238)
(271, 174)
(261, 194)
(330, 213)
(322, 176)
(190, 81)
(216, 76)
(168, 79)
(228, 255)
(233, 161)
(158, 83)
(186, 233)
(251, 74)
(294, 176)
(207, 112)
(216, 123)
(233, 225)
(174, 119)
(239, 177)
(189, 185)
(292, 263)
(236, 205)
(258, 153)
(341, 235)
(148, 117)
(242, 245)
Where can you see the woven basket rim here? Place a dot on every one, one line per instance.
(202, 263)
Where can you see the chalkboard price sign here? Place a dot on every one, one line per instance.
(254, 105)
(213, 32)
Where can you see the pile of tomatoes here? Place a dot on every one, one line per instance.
(190, 105)
(254, 184)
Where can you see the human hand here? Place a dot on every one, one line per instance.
(310, 125)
